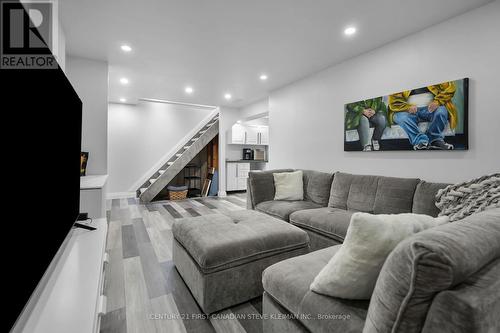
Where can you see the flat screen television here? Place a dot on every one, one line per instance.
(41, 139)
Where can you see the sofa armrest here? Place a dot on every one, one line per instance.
(475, 304)
(250, 205)
(428, 263)
(260, 186)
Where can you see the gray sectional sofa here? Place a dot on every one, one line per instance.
(330, 200)
(444, 279)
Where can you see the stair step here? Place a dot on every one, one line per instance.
(152, 185)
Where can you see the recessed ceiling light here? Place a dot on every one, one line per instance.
(349, 31)
(126, 48)
(123, 100)
(189, 90)
(227, 96)
(124, 80)
(263, 77)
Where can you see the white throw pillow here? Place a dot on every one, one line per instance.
(353, 270)
(289, 186)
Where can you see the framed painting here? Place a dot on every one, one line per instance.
(434, 117)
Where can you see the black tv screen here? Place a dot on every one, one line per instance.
(41, 135)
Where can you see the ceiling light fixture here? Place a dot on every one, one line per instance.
(189, 90)
(227, 96)
(123, 100)
(349, 31)
(124, 80)
(126, 48)
(263, 77)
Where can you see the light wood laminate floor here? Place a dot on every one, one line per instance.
(145, 293)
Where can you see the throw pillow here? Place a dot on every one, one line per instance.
(288, 186)
(353, 270)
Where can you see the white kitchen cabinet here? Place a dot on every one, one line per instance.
(242, 184)
(263, 135)
(236, 176)
(243, 170)
(252, 135)
(248, 135)
(237, 134)
(231, 177)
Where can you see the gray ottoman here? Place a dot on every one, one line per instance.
(221, 257)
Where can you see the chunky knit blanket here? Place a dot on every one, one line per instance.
(464, 199)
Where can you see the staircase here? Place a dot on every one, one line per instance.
(163, 176)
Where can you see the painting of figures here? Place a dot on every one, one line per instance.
(433, 117)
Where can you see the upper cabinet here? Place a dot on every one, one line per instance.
(264, 135)
(252, 135)
(237, 134)
(249, 134)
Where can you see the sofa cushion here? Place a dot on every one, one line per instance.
(288, 185)
(353, 271)
(425, 264)
(288, 283)
(219, 241)
(261, 185)
(283, 209)
(340, 190)
(329, 222)
(424, 200)
(475, 303)
(395, 195)
(317, 186)
(353, 192)
(362, 193)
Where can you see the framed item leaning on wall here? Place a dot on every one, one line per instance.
(84, 157)
(433, 117)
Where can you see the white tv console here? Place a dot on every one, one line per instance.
(72, 298)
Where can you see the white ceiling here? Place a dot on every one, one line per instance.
(219, 46)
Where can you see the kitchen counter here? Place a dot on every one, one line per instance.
(246, 161)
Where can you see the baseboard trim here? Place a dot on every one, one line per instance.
(120, 195)
(222, 194)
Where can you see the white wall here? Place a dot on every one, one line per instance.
(254, 109)
(227, 118)
(90, 80)
(140, 135)
(306, 117)
(61, 47)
